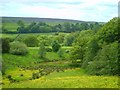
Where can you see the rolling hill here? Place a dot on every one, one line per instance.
(33, 19)
(10, 23)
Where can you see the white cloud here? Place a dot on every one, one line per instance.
(53, 1)
(95, 10)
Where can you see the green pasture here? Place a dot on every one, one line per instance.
(10, 26)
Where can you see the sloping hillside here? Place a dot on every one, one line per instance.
(31, 19)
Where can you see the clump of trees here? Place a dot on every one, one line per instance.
(106, 61)
(98, 50)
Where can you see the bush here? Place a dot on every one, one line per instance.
(42, 51)
(9, 76)
(18, 48)
(67, 51)
(35, 75)
(60, 53)
(31, 41)
(5, 45)
(69, 40)
(48, 49)
(76, 63)
(55, 46)
(56, 33)
(21, 75)
(3, 67)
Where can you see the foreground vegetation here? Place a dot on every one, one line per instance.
(75, 78)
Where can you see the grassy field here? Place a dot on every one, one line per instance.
(11, 26)
(69, 78)
(15, 65)
(75, 78)
(31, 58)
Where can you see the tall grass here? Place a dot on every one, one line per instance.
(68, 79)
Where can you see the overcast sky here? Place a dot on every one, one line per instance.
(86, 10)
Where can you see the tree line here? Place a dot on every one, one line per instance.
(42, 27)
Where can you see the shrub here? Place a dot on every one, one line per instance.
(48, 49)
(69, 40)
(31, 41)
(21, 75)
(9, 76)
(60, 53)
(42, 51)
(35, 75)
(76, 63)
(67, 51)
(55, 46)
(3, 67)
(18, 48)
(56, 33)
(5, 45)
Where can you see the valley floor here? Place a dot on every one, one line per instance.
(22, 70)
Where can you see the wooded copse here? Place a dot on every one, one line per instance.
(98, 51)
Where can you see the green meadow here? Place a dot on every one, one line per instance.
(75, 78)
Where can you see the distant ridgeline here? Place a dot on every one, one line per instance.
(45, 25)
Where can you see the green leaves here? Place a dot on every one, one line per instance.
(109, 32)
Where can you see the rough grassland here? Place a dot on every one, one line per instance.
(75, 78)
(69, 79)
